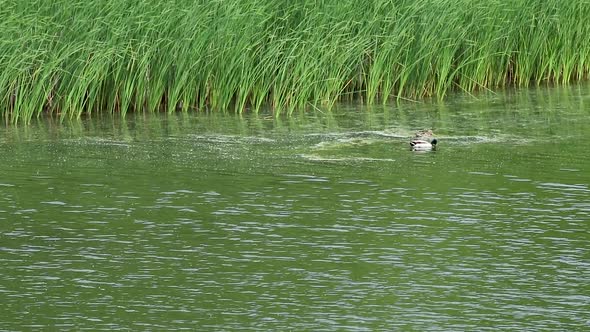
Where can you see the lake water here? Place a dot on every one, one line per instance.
(316, 222)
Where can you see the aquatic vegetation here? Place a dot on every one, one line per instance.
(73, 58)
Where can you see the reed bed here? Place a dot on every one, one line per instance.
(73, 58)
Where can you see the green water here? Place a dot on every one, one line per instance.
(318, 222)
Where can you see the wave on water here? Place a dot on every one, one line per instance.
(371, 137)
(99, 141)
(315, 157)
(361, 134)
(230, 139)
(478, 139)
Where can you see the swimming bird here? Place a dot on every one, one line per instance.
(423, 145)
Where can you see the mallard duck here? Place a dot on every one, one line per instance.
(422, 145)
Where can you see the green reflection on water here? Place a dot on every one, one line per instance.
(320, 221)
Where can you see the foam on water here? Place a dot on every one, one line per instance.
(315, 157)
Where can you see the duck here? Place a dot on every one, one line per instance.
(423, 145)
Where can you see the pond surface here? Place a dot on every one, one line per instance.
(317, 222)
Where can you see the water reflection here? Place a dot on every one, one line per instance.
(315, 222)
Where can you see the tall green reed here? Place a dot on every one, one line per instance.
(81, 58)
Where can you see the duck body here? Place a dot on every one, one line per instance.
(423, 145)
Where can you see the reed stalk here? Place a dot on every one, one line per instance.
(77, 58)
